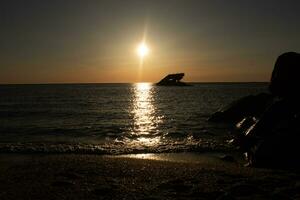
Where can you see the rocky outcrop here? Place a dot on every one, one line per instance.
(277, 133)
(273, 139)
(285, 76)
(249, 106)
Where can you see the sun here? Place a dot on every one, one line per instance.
(142, 50)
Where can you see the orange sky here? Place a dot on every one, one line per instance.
(80, 42)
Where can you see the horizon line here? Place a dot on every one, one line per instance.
(86, 83)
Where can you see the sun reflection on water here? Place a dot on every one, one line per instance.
(145, 119)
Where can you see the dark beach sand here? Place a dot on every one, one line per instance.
(34, 176)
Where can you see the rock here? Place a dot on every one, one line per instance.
(277, 136)
(240, 133)
(272, 140)
(246, 123)
(277, 133)
(252, 105)
(285, 76)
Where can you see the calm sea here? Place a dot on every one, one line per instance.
(115, 118)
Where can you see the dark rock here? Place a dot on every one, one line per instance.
(240, 134)
(246, 123)
(172, 80)
(252, 105)
(273, 139)
(277, 137)
(285, 76)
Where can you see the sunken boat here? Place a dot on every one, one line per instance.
(172, 80)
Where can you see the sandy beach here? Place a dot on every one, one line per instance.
(66, 176)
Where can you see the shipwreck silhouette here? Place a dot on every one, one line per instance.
(172, 80)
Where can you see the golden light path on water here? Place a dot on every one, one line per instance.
(145, 116)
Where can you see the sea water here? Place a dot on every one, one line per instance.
(116, 118)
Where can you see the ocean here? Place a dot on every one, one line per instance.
(116, 118)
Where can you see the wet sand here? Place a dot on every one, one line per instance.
(66, 176)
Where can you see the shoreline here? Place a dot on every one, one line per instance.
(67, 176)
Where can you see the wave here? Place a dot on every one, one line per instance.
(116, 148)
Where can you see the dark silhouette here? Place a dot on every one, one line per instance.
(285, 76)
(274, 139)
(172, 80)
(249, 106)
(271, 139)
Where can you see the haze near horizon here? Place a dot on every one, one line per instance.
(96, 41)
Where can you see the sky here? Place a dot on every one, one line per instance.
(95, 41)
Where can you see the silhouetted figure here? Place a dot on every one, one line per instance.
(172, 80)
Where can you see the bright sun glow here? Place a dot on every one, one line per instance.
(142, 50)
